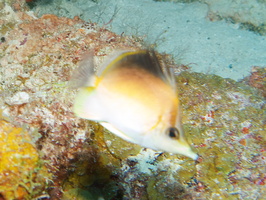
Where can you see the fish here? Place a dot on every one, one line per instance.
(134, 96)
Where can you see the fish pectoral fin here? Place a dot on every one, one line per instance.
(87, 105)
(85, 74)
(112, 129)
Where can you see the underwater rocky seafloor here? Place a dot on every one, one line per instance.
(48, 153)
(250, 15)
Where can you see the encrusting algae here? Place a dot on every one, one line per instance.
(223, 121)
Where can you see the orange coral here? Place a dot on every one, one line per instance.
(19, 163)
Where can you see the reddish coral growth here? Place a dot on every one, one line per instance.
(243, 142)
(245, 130)
(257, 79)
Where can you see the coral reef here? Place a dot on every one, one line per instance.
(257, 79)
(16, 5)
(22, 173)
(223, 121)
(227, 124)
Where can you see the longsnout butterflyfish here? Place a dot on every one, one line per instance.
(134, 97)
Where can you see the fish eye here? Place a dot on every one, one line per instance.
(173, 133)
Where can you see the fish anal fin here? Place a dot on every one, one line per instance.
(112, 129)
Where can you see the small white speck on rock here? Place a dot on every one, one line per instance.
(18, 98)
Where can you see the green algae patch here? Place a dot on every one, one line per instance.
(6, 27)
(159, 188)
(78, 194)
(119, 148)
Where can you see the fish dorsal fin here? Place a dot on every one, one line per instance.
(144, 59)
(84, 76)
